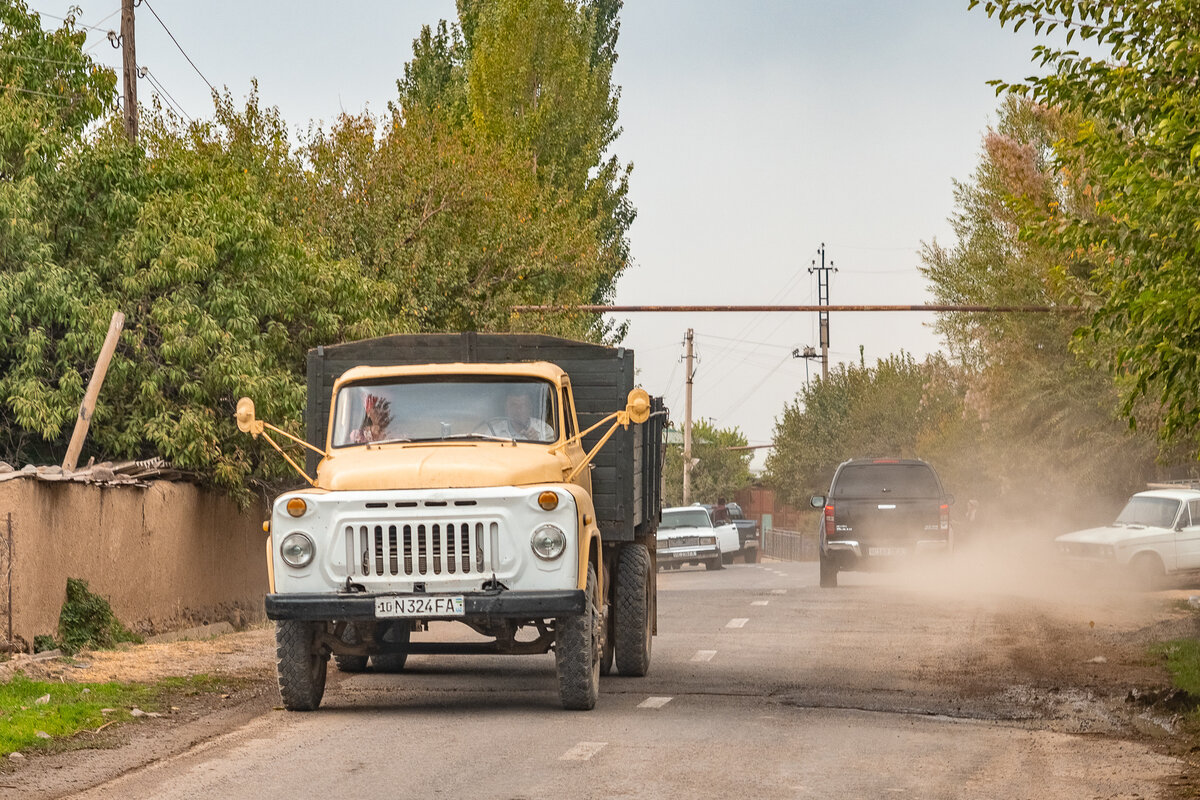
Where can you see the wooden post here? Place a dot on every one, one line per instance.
(129, 60)
(93, 391)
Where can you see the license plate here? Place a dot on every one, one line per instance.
(686, 553)
(886, 551)
(388, 606)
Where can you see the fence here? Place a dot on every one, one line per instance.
(790, 545)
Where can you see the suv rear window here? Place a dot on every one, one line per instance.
(886, 480)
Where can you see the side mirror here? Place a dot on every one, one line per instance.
(246, 421)
(637, 406)
(817, 501)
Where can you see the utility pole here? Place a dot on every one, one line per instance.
(823, 300)
(687, 422)
(129, 61)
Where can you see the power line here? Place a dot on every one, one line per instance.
(31, 91)
(177, 44)
(71, 20)
(175, 104)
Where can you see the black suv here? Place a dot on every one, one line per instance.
(880, 510)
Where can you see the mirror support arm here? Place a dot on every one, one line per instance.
(622, 418)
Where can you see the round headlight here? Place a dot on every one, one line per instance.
(296, 506)
(548, 542)
(548, 500)
(297, 550)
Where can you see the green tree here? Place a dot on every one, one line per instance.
(719, 470)
(1040, 419)
(533, 78)
(1133, 152)
(187, 233)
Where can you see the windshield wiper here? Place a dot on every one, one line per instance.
(387, 441)
(485, 436)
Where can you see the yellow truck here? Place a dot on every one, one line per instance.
(509, 482)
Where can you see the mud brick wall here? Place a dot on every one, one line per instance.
(169, 556)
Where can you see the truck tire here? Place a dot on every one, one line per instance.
(399, 634)
(347, 663)
(716, 562)
(577, 648)
(609, 642)
(634, 617)
(300, 666)
(829, 573)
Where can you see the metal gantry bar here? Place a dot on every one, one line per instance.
(927, 307)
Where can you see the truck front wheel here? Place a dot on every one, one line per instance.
(300, 665)
(634, 610)
(577, 645)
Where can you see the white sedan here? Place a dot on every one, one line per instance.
(686, 536)
(1156, 534)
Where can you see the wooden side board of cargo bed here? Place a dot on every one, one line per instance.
(627, 478)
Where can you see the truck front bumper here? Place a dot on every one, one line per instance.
(361, 605)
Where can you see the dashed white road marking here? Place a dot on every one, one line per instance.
(704, 655)
(779, 591)
(654, 702)
(760, 602)
(582, 751)
(737, 622)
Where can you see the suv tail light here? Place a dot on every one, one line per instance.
(829, 527)
(944, 517)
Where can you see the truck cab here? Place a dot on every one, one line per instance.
(458, 491)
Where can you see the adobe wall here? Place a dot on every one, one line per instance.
(168, 556)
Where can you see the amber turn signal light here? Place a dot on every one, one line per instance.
(296, 507)
(548, 501)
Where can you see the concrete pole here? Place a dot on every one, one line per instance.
(687, 423)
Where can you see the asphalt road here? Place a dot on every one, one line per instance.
(762, 685)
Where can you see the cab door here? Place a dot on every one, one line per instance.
(574, 451)
(1187, 536)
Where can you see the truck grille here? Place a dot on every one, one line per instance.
(420, 550)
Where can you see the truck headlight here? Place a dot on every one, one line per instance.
(708, 540)
(548, 542)
(297, 550)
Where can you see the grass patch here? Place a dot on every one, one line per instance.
(76, 707)
(1183, 662)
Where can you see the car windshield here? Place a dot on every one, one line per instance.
(1157, 512)
(886, 480)
(428, 408)
(685, 518)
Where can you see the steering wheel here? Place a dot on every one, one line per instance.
(496, 426)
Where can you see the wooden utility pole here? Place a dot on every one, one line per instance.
(93, 391)
(129, 60)
(687, 423)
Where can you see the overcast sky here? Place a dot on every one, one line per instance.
(758, 130)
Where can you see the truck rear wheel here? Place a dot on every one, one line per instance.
(577, 648)
(397, 635)
(829, 573)
(348, 663)
(301, 667)
(634, 622)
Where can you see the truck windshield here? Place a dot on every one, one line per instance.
(886, 480)
(1157, 512)
(430, 408)
(686, 518)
